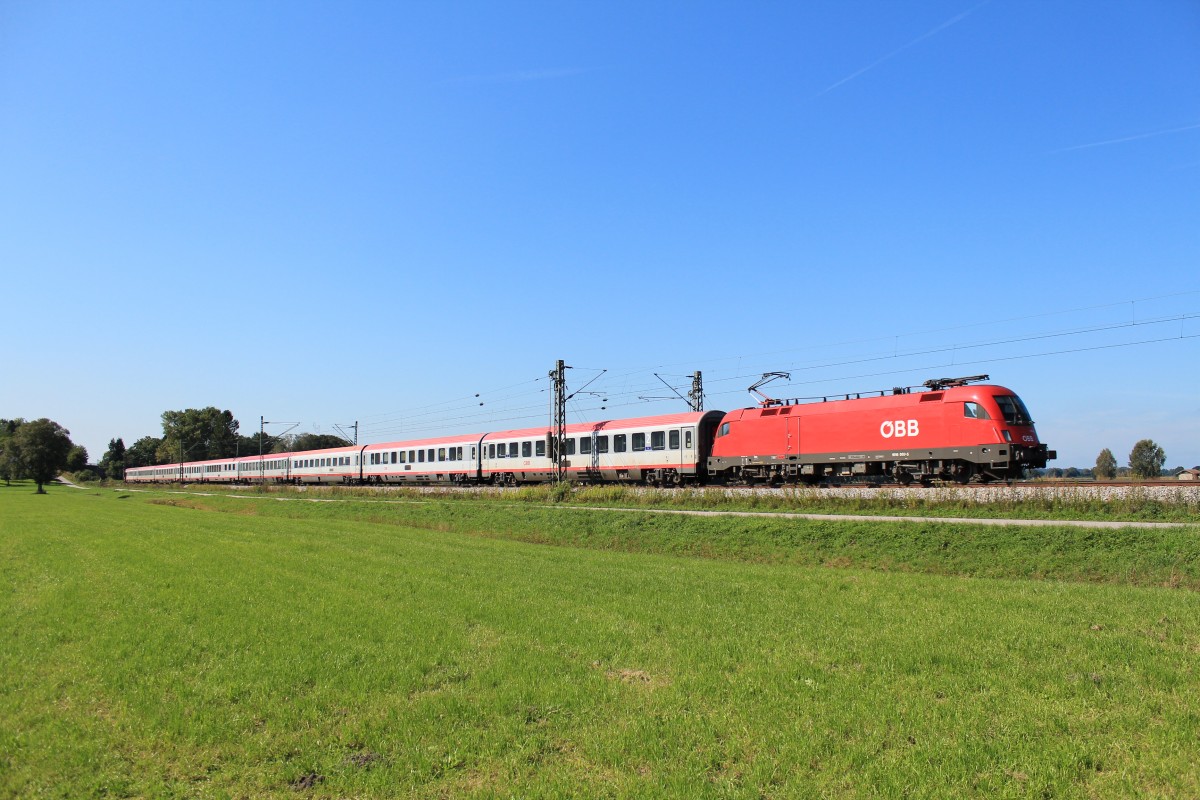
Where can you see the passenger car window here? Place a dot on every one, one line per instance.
(639, 442)
(619, 443)
(539, 447)
(526, 449)
(601, 444)
(585, 445)
(673, 440)
(658, 440)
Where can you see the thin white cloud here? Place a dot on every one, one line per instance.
(520, 76)
(932, 32)
(1123, 139)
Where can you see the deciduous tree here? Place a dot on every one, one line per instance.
(1147, 459)
(10, 465)
(77, 458)
(1106, 465)
(42, 447)
(113, 463)
(199, 433)
(142, 452)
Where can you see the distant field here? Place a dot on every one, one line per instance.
(170, 646)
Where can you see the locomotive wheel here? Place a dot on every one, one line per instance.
(963, 474)
(904, 478)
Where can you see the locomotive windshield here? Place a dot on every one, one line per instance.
(1014, 411)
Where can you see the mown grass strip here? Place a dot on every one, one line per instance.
(296, 650)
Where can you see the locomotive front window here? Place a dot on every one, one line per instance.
(1014, 411)
(975, 411)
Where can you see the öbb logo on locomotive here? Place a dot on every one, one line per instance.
(968, 431)
(899, 428)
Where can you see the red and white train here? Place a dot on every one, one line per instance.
(952, 430)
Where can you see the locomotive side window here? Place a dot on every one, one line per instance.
(639, 442)
(673, 440)
(724, 431)
(601, 444)
(619, 443)
(975, 411)
(658, 440)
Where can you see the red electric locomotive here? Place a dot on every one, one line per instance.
(950, 431)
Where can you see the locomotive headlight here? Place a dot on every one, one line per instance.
(1007, 435)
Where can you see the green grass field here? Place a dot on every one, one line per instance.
(167, 646)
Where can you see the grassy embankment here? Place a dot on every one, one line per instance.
(264, 648)
(1171, 502)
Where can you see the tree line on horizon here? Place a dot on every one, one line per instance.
(41, 449)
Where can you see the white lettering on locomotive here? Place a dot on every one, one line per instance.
(899, 428)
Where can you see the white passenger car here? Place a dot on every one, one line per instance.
(664, 450)
(444, 459)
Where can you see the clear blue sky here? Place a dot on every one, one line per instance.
(329, 212)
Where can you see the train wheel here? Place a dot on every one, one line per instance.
(963, 474)
(904, 478)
